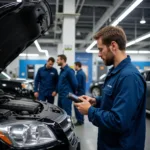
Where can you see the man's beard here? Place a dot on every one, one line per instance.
(59, 64)
(109, 59)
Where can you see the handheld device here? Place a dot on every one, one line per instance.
(74, 98)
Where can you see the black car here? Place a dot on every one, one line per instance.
(96, 87)
(26, 124)
(17, 87)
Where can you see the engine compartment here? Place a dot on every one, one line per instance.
(21, 106)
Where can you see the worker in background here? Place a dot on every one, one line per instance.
(81, 78)
(120, 112)
(67, 83)
(46, 81)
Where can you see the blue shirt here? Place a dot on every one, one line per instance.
(67, 81)
(81, 78)
(121, 113)
(46, 81)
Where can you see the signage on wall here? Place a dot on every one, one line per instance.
(67, 47)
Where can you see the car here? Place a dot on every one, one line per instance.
(27, 124)
(96, 87)
(18, 87)
(146, 75)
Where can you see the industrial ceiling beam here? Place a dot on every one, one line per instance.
(110, 11)
(47, 41)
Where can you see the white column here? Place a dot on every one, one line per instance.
(59, 49)
(68, 37)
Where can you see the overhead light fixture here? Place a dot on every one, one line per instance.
(137, 52)
(119, 19)
(139, 39)
(129, 51)
(144, 52)
(39, 48)
(142, 21)
(126, 12)
(30, 55)
(19, 1)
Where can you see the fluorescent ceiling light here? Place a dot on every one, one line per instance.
(126, 12)
(91, 46)
(30, 55)
(127, 51)
(19, 1)
(144, 52)
(137, 52)
(132, 52)
(116, 21)
(39, 48)
(139, 39)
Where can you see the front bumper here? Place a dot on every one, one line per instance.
(65, 135)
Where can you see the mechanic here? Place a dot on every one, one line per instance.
(120, 112)
(67, 83)
(81, 78)
(46, 82)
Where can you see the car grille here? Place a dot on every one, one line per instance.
(68, 129)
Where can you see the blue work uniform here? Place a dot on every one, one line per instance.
(121, 113)
(81, 78)
(45, 83)
(67, 83)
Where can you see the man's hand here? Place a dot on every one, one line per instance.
(54, 94)
(91, 100)
(36, 94)
(84, 106)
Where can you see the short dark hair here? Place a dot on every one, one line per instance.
(111, 33)
(62, 56)
(77, 63)
(51, 59)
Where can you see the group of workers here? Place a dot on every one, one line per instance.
(48, 83)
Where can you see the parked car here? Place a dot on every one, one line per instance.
(96, 87)
(18, 87)
(26, 124)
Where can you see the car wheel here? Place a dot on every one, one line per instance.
(95, 91)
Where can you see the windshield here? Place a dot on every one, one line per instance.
(3, 75)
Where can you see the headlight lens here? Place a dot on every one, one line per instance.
(27, 86)
(27, 135)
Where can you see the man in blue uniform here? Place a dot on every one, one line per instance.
(67, 83)
(46, 82)
(120, 112)
(81, 78)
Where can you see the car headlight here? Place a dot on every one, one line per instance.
(27, 86)
(26, 134)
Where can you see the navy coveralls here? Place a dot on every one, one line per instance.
(45, 83)
(81, 78)
(121, 113)
(67, 83)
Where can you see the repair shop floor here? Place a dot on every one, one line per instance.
(88, 135)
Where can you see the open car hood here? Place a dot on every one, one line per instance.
(20, 25)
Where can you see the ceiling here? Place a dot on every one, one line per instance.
(95, 14)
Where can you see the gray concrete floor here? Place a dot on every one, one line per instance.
(88, 135)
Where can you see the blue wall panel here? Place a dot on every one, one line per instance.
(141, 65)
(23, 66)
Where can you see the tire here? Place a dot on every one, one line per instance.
(96, 91)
